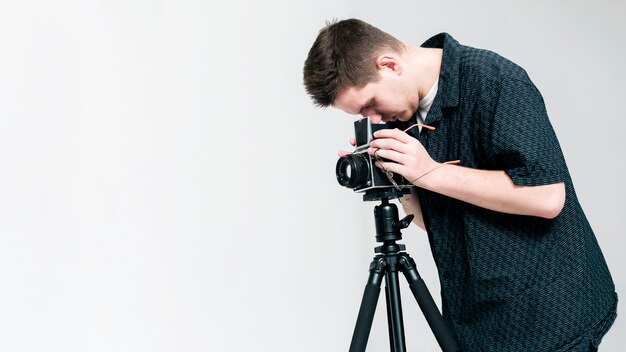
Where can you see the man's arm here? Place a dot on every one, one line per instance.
(494, 190)
(489, 189)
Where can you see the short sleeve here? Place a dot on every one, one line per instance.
(519, 138)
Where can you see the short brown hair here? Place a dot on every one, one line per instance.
(344, 55)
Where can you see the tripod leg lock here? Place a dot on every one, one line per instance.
(409, 268)
(377, 271)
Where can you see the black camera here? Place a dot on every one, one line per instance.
(357, 170)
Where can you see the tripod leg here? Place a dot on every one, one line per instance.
(391, 344)
(427, 304)
(368, 305)
(395, 311)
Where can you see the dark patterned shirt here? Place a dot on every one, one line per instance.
(508, 282)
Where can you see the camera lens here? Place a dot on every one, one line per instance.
(352, 170)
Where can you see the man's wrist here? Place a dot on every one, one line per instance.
(419, 180)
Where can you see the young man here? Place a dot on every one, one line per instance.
(519, 265)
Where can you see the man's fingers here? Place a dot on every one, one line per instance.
(391, 155)
(343, 153)
(395, 134)
(390, 166)
(353, 142)
(389, 143)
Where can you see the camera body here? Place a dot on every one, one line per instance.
(357, 170)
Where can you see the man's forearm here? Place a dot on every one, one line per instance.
(496, 191)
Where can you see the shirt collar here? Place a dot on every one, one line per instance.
(449, 74)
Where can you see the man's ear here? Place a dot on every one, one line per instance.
(388, 62)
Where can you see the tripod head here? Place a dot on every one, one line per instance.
(388, 223)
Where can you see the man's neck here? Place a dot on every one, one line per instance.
(425, 65)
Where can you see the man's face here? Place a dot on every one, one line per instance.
(384, 100)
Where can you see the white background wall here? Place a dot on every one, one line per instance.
(166, 184)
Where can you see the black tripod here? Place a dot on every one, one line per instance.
(387, 263)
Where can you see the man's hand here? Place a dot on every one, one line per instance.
(408, 156)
